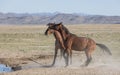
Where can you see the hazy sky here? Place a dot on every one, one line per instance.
(102, 7)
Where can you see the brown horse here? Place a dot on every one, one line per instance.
(73, 42)
(58, 43)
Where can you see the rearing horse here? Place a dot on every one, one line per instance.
(73, 42)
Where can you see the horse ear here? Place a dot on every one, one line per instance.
(60, 23)
(50, 24)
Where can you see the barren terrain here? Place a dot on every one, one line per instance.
(30, 52)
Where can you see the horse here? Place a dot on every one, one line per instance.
(58, 43)
(73, 42)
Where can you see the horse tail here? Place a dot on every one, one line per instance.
(105, 48)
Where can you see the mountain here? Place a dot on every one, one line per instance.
(44, 18)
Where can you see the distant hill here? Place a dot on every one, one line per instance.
(44, 18)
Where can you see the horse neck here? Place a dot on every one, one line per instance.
(64, 34)
(59, 38)
(57, 35)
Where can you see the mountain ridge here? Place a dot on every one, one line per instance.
(66, 18)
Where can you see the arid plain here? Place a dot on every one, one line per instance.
(30, 52)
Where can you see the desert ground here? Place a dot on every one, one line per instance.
(30, 52)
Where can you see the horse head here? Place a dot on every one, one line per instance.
(52, 27)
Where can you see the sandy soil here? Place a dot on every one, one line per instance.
(26, 54)
(39, 63)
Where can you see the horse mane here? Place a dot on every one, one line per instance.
(65, 29)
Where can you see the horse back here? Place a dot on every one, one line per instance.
(81, 43)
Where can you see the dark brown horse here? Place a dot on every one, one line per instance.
(59, 41)
(73, 42)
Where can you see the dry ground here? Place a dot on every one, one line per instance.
(28, 49)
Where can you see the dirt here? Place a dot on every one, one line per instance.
(40, 64)
(33, 55)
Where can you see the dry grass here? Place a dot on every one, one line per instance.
(29, 41)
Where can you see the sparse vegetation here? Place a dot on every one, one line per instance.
(30, 41)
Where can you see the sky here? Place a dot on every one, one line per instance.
(94, 7)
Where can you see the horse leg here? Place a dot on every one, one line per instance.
(89, 58)
(61, 53)
(65, 57)
(89, 51)
(67, 52)
(70, 56)
(55, 55)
